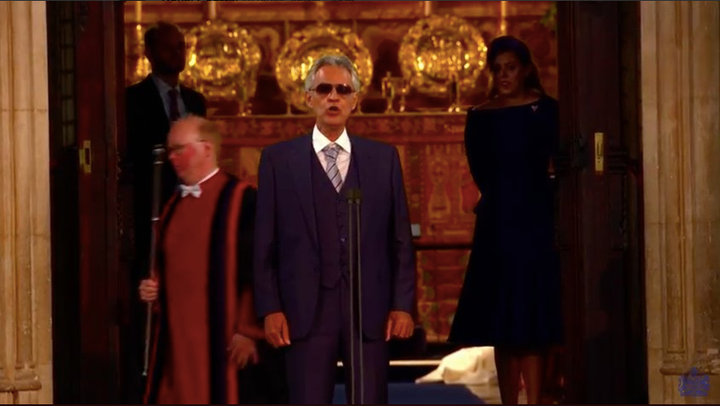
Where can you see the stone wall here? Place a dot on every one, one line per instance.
(25, 301)
(681, 144)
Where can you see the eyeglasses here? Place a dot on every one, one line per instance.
(325, 89)
(178, 149)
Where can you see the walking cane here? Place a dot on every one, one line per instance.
(158, 155)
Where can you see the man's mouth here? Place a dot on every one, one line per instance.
(333, 110)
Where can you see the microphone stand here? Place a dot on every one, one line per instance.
(158, 154)
(354, 197)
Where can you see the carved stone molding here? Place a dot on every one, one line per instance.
(25, 341)
(680, 62)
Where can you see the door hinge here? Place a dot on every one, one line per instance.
(85, 155)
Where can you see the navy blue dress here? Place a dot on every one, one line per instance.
(512, 289)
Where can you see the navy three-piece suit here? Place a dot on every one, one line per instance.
(302, 261)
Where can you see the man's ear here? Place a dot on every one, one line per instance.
(308, 99)
(355, 99)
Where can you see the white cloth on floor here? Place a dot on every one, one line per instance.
(468, 366)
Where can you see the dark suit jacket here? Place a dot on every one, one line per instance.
(287, 261)
(147, 125)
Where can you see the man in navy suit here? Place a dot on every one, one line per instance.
(301, 273)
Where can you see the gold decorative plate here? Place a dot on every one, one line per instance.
(437, 47)
(306, 46)
(141, 67)
(223, 61)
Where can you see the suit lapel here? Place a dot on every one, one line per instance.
(300, 161)
(189, 102)
(363, 157)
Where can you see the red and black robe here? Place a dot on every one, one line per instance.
(203, 267)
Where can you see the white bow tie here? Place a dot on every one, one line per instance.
(190, 190)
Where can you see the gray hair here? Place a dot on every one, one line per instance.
(333, 60)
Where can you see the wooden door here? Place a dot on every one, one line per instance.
(599, 207)
(85, 71)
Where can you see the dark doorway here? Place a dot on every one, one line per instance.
(85, 55)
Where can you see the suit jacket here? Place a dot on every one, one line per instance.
(147, 125)
(287, 261)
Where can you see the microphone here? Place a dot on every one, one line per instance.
(354, 194)
(354, 198)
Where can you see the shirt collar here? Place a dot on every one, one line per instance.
(210, 175)
(162, 86)
(320, 141)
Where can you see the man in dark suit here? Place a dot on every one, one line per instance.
(151, 106)
(302, 279)
(156, 102)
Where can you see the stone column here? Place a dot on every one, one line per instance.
(25, 303)
(680, 69)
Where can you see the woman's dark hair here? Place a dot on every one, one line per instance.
(508, 43)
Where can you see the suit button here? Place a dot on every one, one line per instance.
(342, 239)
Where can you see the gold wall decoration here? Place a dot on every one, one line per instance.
(306, 46)
(223, 60)
(139, 66)
(439, 47)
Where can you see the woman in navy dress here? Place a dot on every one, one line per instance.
(511, 294)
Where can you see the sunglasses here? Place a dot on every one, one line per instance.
(325, 89)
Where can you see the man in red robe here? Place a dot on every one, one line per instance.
(204, 326)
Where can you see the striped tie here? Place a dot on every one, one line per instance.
(331, 153)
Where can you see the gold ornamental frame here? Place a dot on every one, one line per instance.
(223, 60)
(306, 46)
(439, 48)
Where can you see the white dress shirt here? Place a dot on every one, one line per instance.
(163, 88)
(343, 159)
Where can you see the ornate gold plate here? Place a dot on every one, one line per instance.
(306, 46)
(437, 47)
(223, 60)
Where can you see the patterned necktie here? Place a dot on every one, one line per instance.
(190, 190)
(331, 153)
(174, 110)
